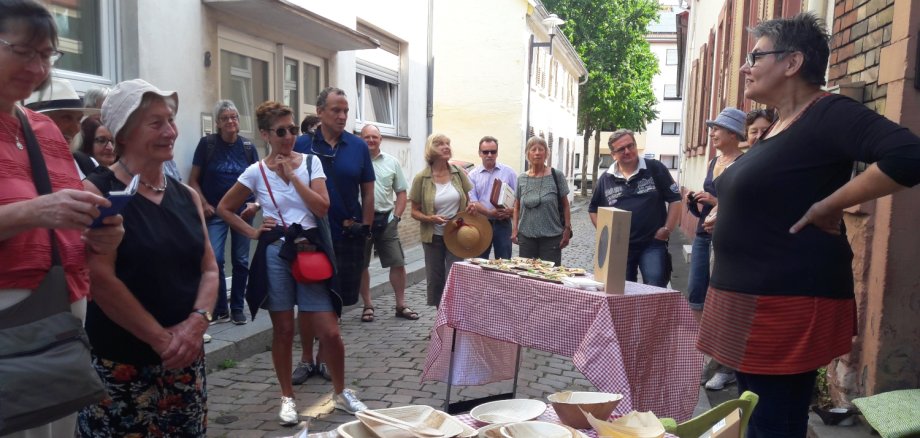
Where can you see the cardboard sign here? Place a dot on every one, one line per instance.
(611, 247)
(728, 427)
(502, 195)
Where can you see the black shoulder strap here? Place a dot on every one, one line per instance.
(552, 172)
(212, 145)
(39, 173)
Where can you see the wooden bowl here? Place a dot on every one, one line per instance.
(569, 404)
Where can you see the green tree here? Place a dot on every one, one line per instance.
(609, 35)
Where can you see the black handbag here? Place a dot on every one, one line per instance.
(381, 220)
(46, 370)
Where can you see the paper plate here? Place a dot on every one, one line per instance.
(529, 429)
(494, 431)
(508, 411)
(415, 414)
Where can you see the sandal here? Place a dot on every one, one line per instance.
(367, 315)
(406, 312)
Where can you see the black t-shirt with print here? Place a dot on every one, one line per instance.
(646, 194)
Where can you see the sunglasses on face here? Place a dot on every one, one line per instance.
(492, 152)
(752, 57)
(282, 132)
(103, 140)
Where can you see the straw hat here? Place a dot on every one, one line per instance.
(731, 119)
(59, 95)
(468, 235)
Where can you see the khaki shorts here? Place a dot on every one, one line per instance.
(388, 247)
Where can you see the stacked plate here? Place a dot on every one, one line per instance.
(512, 419)
(418, 417)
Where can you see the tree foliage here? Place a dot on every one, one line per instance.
(609, 35)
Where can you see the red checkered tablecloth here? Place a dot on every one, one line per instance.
(641, 344)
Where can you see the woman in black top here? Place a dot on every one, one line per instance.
(152, 301)
(781, 302)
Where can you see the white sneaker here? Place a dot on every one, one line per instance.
(719, 380)
(288, 414)
(206, 338)
(348, 402)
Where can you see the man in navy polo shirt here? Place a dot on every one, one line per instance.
(645, 187)
(349, 173)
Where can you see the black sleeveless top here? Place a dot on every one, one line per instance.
(159, 260)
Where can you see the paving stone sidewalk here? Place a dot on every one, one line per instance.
(383, 365)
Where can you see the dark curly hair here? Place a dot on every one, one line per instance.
(269, 111)
(765, 113)
(805, 33)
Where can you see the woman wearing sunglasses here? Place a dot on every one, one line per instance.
(781, 301)
(291, 187)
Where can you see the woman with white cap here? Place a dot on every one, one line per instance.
(726, 133)
(152, 300)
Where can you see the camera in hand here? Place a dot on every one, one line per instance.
(357, 229)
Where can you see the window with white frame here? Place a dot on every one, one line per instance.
(291, 96)
(378, 83)
(670, 92)
(670, 128)
(670, 57)
(670, 161)
(245, 81)
(86, 35)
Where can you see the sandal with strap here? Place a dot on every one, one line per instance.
(406, 312)
(367, 315)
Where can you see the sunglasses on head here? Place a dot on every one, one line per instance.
(282, 132)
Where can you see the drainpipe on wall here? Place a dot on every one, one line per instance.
(429, 104)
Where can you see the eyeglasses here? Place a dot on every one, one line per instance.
(103, 140)
(618, 151)
(282, 132)
(225, 119)
(27, 54)
(752, 57)
(323, 155)
(492, 152)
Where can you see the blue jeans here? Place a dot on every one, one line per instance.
(501, 240)
(239, 251)
(698, 282)
(652, 260)
(782, 411)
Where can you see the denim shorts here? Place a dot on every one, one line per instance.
(284, 292)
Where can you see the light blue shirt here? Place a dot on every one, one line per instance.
(482, 180)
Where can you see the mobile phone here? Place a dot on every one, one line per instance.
(119, 200)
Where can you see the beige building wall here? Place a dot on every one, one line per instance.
(484, 92)
(480, 92)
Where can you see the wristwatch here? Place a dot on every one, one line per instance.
(204, 314)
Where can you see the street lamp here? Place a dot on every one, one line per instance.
(551, 22)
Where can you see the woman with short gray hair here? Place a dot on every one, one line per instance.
(781, 301)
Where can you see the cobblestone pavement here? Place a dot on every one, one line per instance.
(383, 365)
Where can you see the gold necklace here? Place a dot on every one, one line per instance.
(14, 134)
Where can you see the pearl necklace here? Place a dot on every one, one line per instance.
(149, 186)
